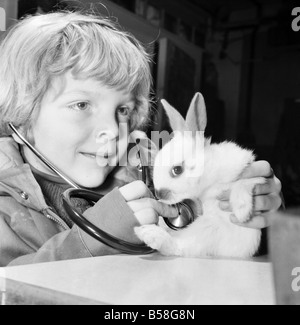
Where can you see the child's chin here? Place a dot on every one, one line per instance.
(92, 182)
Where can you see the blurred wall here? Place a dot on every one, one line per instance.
(11, 9)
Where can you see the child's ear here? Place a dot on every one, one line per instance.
(196, 119)
(177, 121)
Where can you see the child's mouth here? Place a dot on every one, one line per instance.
(94, 156)
(89, 155)
(102, 160)
(104, 157)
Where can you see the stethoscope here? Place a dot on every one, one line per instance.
(185, 213)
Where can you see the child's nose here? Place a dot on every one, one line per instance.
(106, 130)
(106, 136)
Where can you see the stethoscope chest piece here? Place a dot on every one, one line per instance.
(185, 217)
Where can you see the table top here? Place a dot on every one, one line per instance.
(140, 280)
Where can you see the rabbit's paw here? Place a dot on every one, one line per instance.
(157, 238)
(241, 198)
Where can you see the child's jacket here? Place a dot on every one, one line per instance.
(30, 232)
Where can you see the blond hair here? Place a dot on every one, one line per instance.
(41, 47)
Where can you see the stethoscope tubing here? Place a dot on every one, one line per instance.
(95, 232)
(78, 218)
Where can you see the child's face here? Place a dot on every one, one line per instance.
(78, 127)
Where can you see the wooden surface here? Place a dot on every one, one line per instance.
(150, 280)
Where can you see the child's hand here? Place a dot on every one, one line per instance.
(143, 204)
(267, 197)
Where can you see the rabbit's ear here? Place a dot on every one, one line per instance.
(196, 119)
(177, 121)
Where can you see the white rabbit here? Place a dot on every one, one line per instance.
(189, 167)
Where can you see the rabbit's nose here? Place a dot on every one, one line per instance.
(163, 194)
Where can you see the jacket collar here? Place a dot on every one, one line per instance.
(16, 178)
(9, 154)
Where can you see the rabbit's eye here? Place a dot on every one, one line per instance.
(177, 171)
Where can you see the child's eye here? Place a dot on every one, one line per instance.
(124, 113)
(81, 106)
(124, 110)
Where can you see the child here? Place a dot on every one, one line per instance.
(68, 81)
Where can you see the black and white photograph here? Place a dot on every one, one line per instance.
(149, 155)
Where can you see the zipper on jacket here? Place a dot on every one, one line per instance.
(56, 220)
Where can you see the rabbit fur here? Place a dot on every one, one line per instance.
(207, 171)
